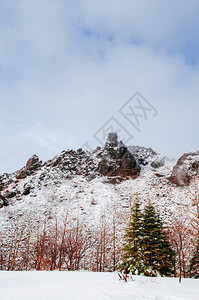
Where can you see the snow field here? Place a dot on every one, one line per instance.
(90, 286)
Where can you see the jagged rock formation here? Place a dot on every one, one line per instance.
(32, 164)
(143, 155)
(117, 160)
(113, 160)
(113, 163)
(147, 156)
(72, 162)
(185, 168)
(112, 141)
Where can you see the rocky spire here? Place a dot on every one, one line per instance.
(112, 140)
(116, 159)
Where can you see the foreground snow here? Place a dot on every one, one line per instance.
(88, 285)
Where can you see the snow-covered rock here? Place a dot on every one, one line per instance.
(185, 168)
(117, 160)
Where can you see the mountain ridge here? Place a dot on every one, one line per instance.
(95, 191)
(115, 161)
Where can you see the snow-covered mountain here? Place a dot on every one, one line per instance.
(98, 187)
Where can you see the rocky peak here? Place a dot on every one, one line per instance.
(112, 140)
(116, 160)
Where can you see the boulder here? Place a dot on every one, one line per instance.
(157, 163)
(185, 168)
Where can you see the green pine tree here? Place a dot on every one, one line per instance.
(131, 258)
(194, 263)
(157, 254)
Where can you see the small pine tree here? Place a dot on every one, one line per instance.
(157, 254)
(131, 258)
(194, 263)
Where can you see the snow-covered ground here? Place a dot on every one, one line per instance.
(90, 286)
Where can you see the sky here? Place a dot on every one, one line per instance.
(71, 71)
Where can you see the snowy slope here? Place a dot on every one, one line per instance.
(71, 184)
(88, 199)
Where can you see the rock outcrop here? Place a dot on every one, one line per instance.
(185, 168)
(110, 164)
(116, 159)
(3, 201)
(143, 155)
(32, 164)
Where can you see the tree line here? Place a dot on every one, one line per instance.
(147, 246)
